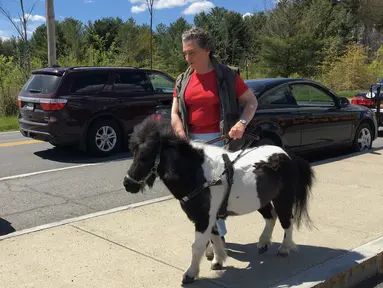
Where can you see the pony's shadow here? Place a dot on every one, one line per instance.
(267, 270)
(5, 227)
(75, 156)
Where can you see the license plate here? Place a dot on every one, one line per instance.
(30, 106)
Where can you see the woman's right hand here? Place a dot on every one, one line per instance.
(181, 133)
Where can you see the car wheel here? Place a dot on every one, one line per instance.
(104, 138)
(264, 141)
(363, 138)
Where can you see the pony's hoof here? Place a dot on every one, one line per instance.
(209, 253)
(216, 266)
(187, 279)
(263, 250)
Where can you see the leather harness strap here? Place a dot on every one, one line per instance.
(229, 176)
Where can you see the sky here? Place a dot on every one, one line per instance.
(166, 11)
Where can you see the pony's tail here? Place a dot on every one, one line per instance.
(302, 192)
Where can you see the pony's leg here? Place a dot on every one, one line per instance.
(218, 248)
(268, 213)
(284, 209)
(221, 229)
(198, 248)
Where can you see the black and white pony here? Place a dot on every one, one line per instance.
(265, 179)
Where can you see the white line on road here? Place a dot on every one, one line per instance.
(84, 217)
(10, 132)
(46, 171)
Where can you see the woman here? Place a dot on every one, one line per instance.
(201, 98)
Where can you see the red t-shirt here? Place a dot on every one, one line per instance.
(202, 101)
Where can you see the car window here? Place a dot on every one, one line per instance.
(306, 94)
(131, 82)
(161, 84)
(280, 96)
(89, 83)
(42, 83)
(256, 86)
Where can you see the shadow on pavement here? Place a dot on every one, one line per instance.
(268, 269)
(5, 227)
(75, 156)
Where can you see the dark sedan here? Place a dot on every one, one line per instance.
(302, 115)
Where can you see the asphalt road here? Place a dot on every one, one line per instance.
(40, 184)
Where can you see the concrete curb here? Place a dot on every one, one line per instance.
(346, 271)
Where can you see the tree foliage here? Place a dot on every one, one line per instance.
(338, 43)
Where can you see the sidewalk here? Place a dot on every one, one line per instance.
(150, 246)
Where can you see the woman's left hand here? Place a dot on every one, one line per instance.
(236, 132)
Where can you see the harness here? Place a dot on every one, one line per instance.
(229, 171)
(154, 171)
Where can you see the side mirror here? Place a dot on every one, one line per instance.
(344, 102)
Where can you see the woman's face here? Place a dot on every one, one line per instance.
(194, 55)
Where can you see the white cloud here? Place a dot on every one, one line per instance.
(140, 8)
(247, 15)
(32, 18)
(158, 4)
(3, 36)
(88, 1)
(198, 7)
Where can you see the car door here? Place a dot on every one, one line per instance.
(325, 122)
(132, 97)
(87, 94)
(278, 107)
(163, 86)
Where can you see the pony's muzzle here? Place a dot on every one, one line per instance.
(130, 186)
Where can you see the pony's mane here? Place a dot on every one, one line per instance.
(153, 132)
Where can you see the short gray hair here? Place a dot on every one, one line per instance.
(202, 37)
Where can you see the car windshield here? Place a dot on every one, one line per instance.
(256, 86)
(42, 83)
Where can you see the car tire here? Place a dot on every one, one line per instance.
(264, 141)
(363, 138)
(104, 138)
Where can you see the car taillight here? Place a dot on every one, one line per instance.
(52, 104)
(362, 101)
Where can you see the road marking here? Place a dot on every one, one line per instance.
(10, 144)
(10, 132)
(88, 216)
(46, 171)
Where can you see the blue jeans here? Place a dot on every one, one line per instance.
(221, 225)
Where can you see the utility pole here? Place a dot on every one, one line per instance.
(51, 34)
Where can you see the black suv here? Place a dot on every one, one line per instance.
(94, 108)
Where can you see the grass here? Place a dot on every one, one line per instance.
(8, 123)
(349, 94)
